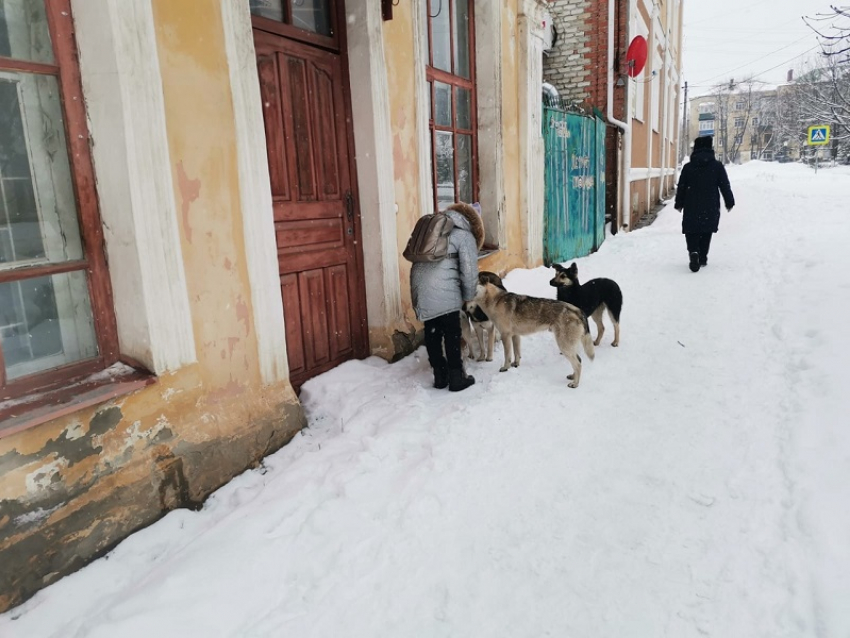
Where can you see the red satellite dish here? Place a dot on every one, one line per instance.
(636, 56)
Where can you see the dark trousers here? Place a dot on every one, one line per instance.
(699, 243)
(445, 328)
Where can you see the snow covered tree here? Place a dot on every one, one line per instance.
(823, 92)
(833, 30)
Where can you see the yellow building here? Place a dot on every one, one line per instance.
(204, 204)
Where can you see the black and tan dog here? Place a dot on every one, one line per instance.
(517, 315)
(594, 297)
(477, 320)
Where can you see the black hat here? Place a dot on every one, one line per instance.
(703, 142)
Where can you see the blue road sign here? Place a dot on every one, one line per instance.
(818, 135)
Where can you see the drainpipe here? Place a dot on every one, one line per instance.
(624, 217)
(653, 89)
(666, 114)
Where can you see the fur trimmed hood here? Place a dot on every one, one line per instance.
(476, 225)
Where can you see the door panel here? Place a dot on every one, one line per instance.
(315, 216)
(292, 312)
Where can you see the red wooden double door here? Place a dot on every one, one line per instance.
(316, 216)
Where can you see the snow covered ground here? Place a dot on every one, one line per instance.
(696, 484)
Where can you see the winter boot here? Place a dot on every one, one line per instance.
(441, 377)
(694, 264)
(703, 262)
(459, 380)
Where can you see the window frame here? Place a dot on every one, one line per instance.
(93, 262)
(287, 29)
(432, 75)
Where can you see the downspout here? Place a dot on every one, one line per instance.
(668, 88)
(653, 90)
(624, 217)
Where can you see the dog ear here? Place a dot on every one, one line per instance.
(558, 267)
(573, 269)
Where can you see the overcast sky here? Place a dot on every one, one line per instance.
(735, 38)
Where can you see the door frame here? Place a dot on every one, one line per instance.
(359, 327)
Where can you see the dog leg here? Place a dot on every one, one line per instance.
(479, 333)
(466, 334)
(600, 327)
(515, 339)
(575, 361)
(491, 342)
(506, 346)
(616, 323)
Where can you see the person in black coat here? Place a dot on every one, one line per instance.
(701, 183)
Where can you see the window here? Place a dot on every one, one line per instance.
(640, 99)
(755, 122)
(707, 125)
(56, 322)
(739, 122)
(706, 108)
(310, 20)
(739, 138)
(740, 105)
(451, 84)
(655, 88)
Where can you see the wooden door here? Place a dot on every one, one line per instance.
(308, 138)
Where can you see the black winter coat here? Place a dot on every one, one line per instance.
(700, 184)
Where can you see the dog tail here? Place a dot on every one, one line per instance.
(587, 343)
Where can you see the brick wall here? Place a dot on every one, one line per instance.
(577, 64)
(578, 67)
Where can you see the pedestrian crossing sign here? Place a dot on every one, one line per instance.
(818, 135)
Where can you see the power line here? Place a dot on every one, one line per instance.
(724, 14)
(756, 76)
(805, 37)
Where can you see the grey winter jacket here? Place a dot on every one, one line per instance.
(441, 287)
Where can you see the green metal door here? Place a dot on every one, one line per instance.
(575, 185)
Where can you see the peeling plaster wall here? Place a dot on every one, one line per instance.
(72, 488)
(400, 39)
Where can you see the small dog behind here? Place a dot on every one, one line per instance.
(480, 322)
(594, 297)
(517, 315)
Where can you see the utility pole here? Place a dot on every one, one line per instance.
(683, 142)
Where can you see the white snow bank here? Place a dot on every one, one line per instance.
(695, 484)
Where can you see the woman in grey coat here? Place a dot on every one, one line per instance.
(439, 290)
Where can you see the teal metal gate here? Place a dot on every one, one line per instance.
(574, 214)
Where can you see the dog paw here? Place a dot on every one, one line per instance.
(515, 364)
(615, 343)
(481, 359)
(572, 384)
(571, 377)
(597, 342)
(489, 358)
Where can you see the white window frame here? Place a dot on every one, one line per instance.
(656, 87)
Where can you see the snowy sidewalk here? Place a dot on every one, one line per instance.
(694, 485)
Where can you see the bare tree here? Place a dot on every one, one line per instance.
(737, 104)
(789, 132)
(823, 92)
(833, 31)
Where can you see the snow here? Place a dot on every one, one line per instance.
(696, 484)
